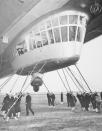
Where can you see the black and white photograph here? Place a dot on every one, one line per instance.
(50, 65)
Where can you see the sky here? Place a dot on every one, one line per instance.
(90, 65)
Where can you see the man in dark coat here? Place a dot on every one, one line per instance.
(5, 104)
(73, 101)
(93, 100)
(61, 97)
(68, 99)
(49, 98)
(28, 105)
(11, 111)
(101, 95)
(52, 99)
(87, 101)
(81, 100)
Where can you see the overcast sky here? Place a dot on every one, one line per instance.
(90, 64)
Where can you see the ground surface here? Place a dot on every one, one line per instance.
(59, 118)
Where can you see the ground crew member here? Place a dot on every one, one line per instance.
(5, 104)
(73, 101)
(98, 103)
(28, 105)
(87, 101)
(61, 97)
(17, 104)
(11, 111)
(52, 99)
(49, 98)
(93, 100)
(101, 95)
(68, 99)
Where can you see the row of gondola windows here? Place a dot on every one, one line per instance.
(56, 35)
(56, 30)
(59, 29)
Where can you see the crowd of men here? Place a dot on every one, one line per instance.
(11, 104)
(90, 99)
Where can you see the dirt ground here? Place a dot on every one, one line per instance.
(59, 118)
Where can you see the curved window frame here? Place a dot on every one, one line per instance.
(54, 36)
(50, 26)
